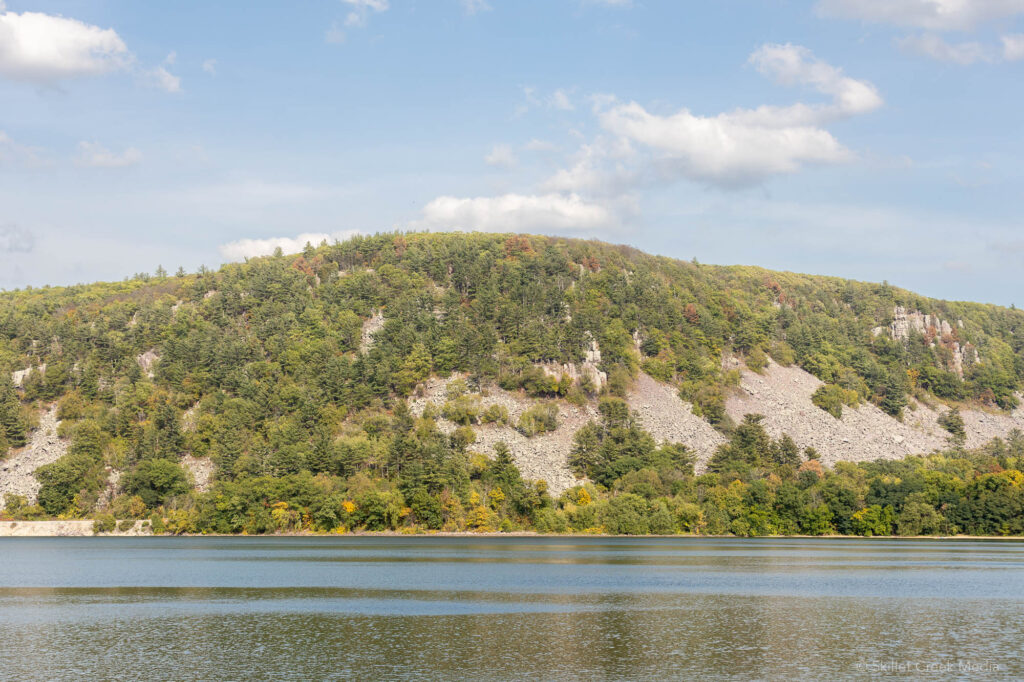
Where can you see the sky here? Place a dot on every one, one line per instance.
(870, 139)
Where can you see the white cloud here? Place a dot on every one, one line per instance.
(44, 48)
(502, 156)
(795, 65)
(474, 6)
(161, 78)
(22, 155)
(1013, 47)
(931, 45)
(93, 154)
(358, 17)
(253, 248)
(933, 15)
(361, 10)
(516, 213)
(536, 145)
(210, 66)
(730, 149)
(560, 100)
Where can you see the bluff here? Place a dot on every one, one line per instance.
(406, 358)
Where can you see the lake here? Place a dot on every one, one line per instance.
(243, 608)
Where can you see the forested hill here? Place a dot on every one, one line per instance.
(305, 367)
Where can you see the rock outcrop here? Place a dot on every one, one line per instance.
(371, 327)
(937, 332)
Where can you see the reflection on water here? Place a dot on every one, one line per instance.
(441, 608)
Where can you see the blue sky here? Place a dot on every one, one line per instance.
(873, 139)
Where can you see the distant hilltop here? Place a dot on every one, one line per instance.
(522, 347)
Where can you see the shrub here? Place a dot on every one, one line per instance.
(494, 414)
(626, 514)
(155, 480)
(756, 359)
(540, 418)
(463, 410)
(832, 397)
(104, 523)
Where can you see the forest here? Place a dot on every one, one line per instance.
(265, 369)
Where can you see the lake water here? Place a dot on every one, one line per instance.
(509, 608)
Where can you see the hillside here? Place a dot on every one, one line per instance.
(411, 379)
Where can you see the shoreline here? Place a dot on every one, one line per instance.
(83, 528)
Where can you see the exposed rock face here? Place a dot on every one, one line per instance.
(147, 361)
(783, 396)
(371, 327)
(201, 471)
(667, 418)
(18, 377)
(17, 472)
(937, 331)
(588, 368)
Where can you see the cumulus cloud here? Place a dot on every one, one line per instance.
(636, 147)
(46, 48)
(934, 15)
(14, 239)
(931, 45)
(795, 65)
(517, 213)
(210, 66)
(93, 154)
(253, 248)
(1013, 47)
(730, 149)
(501, 156)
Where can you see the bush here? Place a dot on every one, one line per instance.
(494, 414)
(540, 418)
(832, 397)
(63, 480)
(756, 359)
(155, 480)
(125, 525)
(463, 410)
(104, 523)
(626, 515)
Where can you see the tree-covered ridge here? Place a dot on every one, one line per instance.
(262, 366)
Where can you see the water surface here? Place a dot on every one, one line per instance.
(509, 608)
